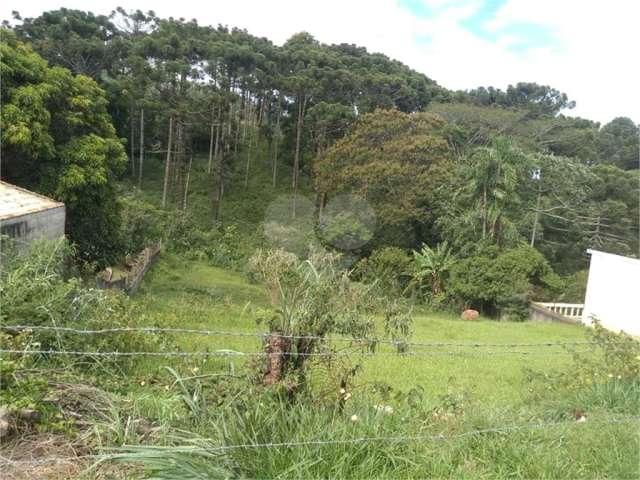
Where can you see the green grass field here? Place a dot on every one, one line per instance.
(178, 293)
(485, 391)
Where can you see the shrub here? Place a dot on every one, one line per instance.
(575, 287)
(36, 289)
(430, 270)
(504, 284)
(312, 299)
(605, 376)
(219, 246)
(142, 224)
(386, 267)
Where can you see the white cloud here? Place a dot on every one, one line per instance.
(595, 60)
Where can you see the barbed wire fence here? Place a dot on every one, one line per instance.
(325, 442)
(262, 335)
(473, 349)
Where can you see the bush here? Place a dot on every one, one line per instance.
(312, 299)
(503, 285)
(605, 376)
(219, 246)
(387, 267)
(142, 224)
(575, 287)
(37, 289)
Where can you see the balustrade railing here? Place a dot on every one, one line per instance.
(569, 310)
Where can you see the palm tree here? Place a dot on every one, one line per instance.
(430, 266)
(494, 178)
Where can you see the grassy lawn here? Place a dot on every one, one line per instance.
(177, 293)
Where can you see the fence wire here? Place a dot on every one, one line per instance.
(262, 335)
(234, 353)
(131, 456)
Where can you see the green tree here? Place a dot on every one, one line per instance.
(503, 283)
(619, 144)
(535, 98)
(393, 160)
(489, 191)
(77, 40)
(57, 138)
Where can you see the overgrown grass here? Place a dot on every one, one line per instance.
(265, 438)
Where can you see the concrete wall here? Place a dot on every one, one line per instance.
(47, 224)
(539, 313)
(137, 269)
(613, 289)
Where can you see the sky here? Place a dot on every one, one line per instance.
(586, 48)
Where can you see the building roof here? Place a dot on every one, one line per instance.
(16, 201)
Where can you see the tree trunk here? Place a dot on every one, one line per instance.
(141, 148)
(179, 162)
(167, 165)
(217, 193)
(302, 100)
(535, 220)
(186, 186)
(131, 142)
(276, 349)
(246, 173)
(245, 112)
(219, 125)
(238, 114)
(211, 140)
(484, 213)
(322, 202)
(275, 146)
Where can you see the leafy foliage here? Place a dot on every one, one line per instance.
(37, 288)
(310, 300)
(386, 267)
(57, 138)
(431, 267)
(503, 283)
(392, 160)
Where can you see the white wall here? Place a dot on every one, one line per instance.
(47, 224)
(613, 292)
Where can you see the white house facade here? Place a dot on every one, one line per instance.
(613, 292)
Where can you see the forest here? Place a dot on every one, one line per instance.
(325, 193)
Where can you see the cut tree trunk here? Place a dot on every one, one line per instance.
(275, 349)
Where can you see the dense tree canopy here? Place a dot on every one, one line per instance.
(58, 138)
(394, 160)
(477, 169)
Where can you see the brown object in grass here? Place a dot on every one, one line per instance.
(276, 349)
(470, 315)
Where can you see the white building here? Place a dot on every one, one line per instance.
(26, 216)
(613, 292)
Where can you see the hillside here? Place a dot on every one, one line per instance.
(324, 215)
